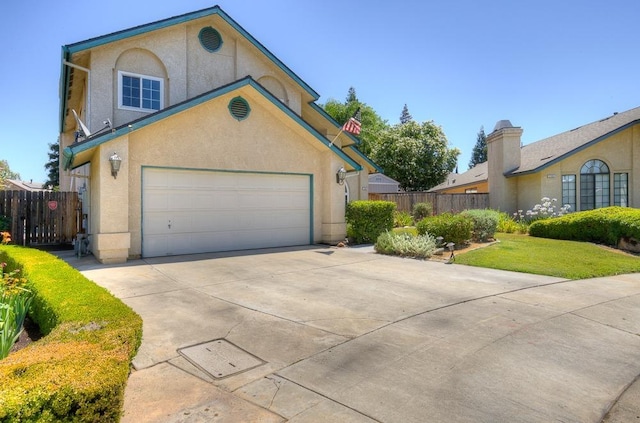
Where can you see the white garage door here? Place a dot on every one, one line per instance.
(186, 211)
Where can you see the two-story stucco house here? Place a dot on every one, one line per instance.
(220, 145)
(594, 165)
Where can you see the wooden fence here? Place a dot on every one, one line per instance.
(441, 202)
(41, 218)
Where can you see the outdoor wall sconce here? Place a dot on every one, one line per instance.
(115, 161)
(341, 175)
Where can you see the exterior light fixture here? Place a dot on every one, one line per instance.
(341, 175)
(451, 246)
(115, 161)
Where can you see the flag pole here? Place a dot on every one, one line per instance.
(336, 137)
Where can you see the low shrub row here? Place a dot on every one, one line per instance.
(603, 226)
(78, 371)
(406, 245)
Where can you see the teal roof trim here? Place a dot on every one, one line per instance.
(70, 152)
(365, 158)
(216, 10)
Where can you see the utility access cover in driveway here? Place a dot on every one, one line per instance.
(220, 358)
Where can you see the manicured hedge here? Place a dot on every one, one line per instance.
(452, 227)
(78, 371)
(604, 226)
(366, 220)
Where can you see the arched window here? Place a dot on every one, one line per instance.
(594, 185)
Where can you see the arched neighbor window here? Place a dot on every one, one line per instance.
(594, 185)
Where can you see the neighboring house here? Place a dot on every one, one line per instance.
(220, 145)
(592, 166)
(473, 181)
(379, 183)
(16, 185)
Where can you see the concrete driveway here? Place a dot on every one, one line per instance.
(345, 335)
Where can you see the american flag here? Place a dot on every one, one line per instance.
(353, 125)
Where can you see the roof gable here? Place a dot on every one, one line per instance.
(176, 20)
(70, 153)
(70, 49)
(538, 155)
(478, 173)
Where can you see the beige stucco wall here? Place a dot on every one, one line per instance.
(175, 55)
(266, 141)
(621, 152)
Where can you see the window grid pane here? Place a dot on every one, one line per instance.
(130, 91)
(620, 189)
(602, 190)
(587, 191)
(569, 191)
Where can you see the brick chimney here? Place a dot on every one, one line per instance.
(503, 153)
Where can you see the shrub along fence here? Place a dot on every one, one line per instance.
(442, 203)
(39, 218)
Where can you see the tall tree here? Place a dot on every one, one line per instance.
(479, 153)
(53, 166)
(6, 173)
(372, 123)
(351, 96)
(416, 154)
(405, 116)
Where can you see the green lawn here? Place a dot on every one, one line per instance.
(563, 259)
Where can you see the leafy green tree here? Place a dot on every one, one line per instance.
(479, 153)
(372, 123)
(53, 166)
(405, 116)
(6, 173)
(417, 155)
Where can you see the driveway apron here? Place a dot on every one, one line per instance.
(323, 334)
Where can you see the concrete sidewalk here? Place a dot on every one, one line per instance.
(338, 335)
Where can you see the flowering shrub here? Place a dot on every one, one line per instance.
(546, 208)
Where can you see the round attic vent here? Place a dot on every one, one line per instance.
(210, 39)
(239, 108)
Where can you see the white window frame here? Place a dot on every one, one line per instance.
(141, 77)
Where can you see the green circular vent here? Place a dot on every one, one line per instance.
(210, 39)
(239, 108)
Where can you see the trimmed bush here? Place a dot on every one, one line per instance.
(366, 220)
(422, 210)
(402, 219)
(453, 228)
(405, 245)
(485, 223)
(603, 226)
(78, 371)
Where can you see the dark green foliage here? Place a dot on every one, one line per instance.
(485, 223)
(78, 371)
(366, 220)
(604, 226)
(422, 210)
(5, 223)
(453, 228)
(405, 116)
(53, 166)
(479, 153)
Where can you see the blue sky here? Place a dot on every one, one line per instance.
(546, 65)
